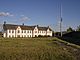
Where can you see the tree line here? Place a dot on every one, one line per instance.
(70, 29)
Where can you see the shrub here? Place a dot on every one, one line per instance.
(40, 36)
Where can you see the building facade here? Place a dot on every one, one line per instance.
(10, 30)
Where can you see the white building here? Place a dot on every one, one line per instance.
(10, 30)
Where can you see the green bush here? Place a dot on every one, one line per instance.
(44, 36)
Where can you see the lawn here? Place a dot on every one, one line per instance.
(34, 49)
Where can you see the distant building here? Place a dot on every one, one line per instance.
(10, 30)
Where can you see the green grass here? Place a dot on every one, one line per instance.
(33, 49)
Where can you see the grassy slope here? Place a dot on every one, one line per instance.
(33, 49)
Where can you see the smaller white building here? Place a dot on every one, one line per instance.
(10, 30)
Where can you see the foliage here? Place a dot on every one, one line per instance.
(44, 36)
(40, 35)
(57, 34)
(70, 29)
(78, 28)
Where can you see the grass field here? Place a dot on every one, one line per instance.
(34, 49)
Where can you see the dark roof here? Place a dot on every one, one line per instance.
(23, 27)
(9, 26)
(44, 28)
(27, 27)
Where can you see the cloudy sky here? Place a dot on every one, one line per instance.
(41, 12)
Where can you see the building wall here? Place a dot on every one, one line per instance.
(49, 32)
(35, 32)
(42, 32)
(26, 33)
(10, 33)
(19, 33)
(4, 34)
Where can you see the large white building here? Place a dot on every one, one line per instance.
(11, 30)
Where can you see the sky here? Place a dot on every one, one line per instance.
(41, 12)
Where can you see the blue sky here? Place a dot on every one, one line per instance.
(40, 12)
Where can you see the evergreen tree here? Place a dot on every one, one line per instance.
(78, 28)
(70, 29)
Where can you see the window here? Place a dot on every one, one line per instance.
(39, 31)
(35, 35)
(35, 31)
(24, 35)
(28, 31)
(18, 31)
(9, 31)
(9, 36)
(30, 35)
(12, 35)
(12, 31)
(24, 31)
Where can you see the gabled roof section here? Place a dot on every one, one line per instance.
(42, 28)
(50, 29)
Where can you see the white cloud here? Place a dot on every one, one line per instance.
(25, 18)
(5, 14)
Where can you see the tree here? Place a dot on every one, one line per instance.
(70, 29)
(78, 28)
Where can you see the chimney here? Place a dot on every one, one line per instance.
(4, 22)
(36, 25)
(48, 26)
(23, 24)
